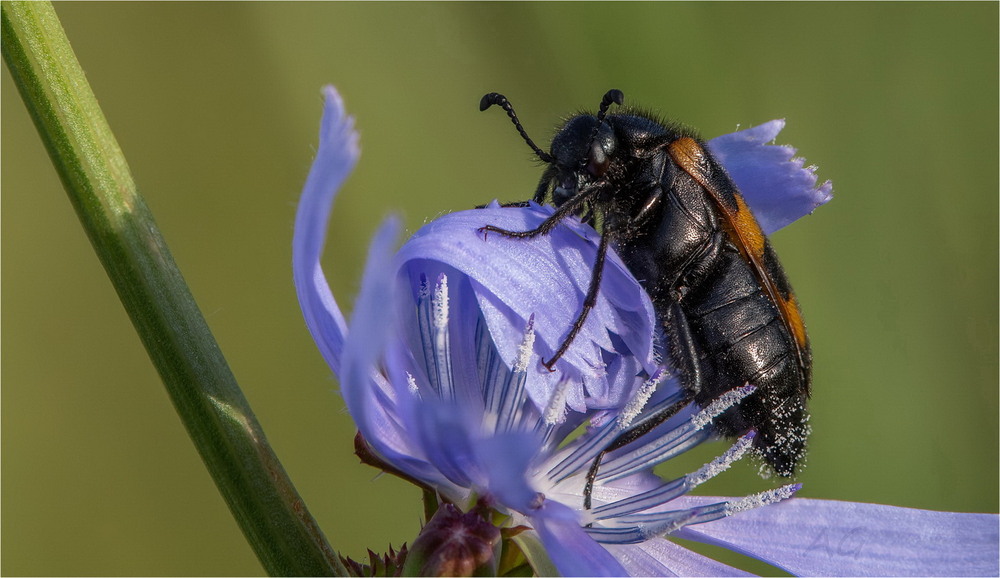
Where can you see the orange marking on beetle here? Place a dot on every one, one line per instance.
(793, 315)
(747, 228)
(745, 232)
(740, 224)
(687, 153)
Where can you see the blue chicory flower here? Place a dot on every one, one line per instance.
(440, 371)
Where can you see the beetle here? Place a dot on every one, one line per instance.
(681, 226)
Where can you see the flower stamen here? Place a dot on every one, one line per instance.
(720, 405)
(641, 398)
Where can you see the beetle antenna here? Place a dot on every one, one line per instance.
(613, 96)
(495, 98)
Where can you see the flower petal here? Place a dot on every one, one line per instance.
(776, 185)
(570, 548)
(369, 397)
(338, 153)
(661, 557)
(546, 276)
(832, 538)
(506, 458)
(446, 435)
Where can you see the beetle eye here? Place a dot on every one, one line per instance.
(598, 162)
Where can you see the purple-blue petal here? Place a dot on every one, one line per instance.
(379, 405)
(448, 437)
(661, 557)
(366, 392)
(776, 184)
(831, 538)
(546, 276)
(569, 547)
(338, 153)
(506, 459)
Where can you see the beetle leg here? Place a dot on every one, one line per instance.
(652, 202)
(683, 349)
(544, 183)
(589, 301)
(564, 210)
(626, 437)
(684, 354)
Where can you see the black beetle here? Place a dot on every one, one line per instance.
(680, 224)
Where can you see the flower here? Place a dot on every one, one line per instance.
(439, 369)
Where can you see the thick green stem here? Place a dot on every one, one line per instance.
(217, 416)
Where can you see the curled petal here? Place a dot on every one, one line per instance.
(775, 183)
(338, 153)
(546, 277)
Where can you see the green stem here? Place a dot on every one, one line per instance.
(218, 418)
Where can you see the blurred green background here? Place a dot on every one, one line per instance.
(217, 108)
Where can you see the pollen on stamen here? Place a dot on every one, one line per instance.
(441, 302)
(411, 384)
(556, 409)
(721, 404)
(526, 348)
(655, 530)
(762, 499)
(721, 463)
(635, 405)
